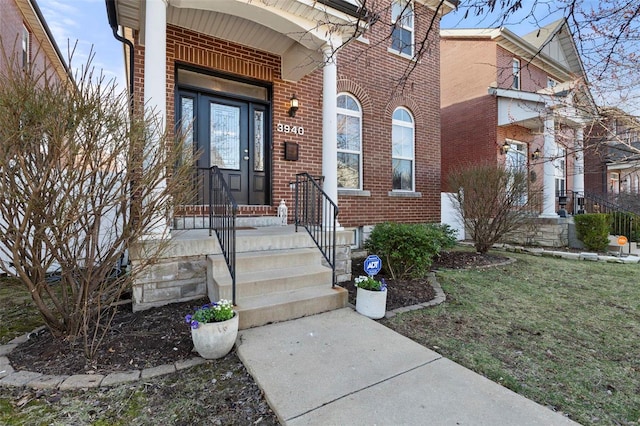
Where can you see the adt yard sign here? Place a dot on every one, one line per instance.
(372, 265)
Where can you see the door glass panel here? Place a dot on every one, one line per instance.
(187, 128)
(258, 141)
(225, 136)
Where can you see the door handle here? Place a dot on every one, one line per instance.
(246, 157)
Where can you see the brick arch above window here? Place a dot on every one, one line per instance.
(350, 86)
(406, 102)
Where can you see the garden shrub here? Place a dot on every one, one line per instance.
(593, 230)
(407, 250)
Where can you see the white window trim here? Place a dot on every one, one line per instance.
(517, 74)
(401, 25)
(560, 167)
(26, 46)
(395, 122)
(351, 113)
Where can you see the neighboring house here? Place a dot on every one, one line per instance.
(26, 38)
(519, 101)
(612, 156)
(26, 41)
(367, 112)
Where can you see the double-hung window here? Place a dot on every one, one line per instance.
(26, 55)
(349, 142)
(402, 33)
(515, 65)
(516, 163)
(402, 133)
(560, 168)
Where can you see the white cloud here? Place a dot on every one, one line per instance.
(85, 21)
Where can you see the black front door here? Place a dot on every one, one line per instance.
(231, 134)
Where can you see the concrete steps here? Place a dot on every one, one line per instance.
(279, 277)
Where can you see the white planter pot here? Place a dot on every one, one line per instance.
(372, 304)
(216, 339)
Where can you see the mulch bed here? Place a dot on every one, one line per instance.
(138, 340)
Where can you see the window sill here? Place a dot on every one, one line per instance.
(406, 194)
(402, 55)
(363, 39)
(354, 193)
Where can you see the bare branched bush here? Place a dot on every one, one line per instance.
(492, 201)
(79, 184)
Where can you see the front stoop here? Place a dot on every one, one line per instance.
(280, 277)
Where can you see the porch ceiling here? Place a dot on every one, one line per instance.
(293, 29)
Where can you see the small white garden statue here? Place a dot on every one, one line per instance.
(282, 213)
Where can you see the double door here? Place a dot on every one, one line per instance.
(232, 134)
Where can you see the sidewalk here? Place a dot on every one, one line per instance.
(341, 368)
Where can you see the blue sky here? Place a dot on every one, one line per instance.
(86, 21)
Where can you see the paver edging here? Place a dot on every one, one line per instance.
(79, 381)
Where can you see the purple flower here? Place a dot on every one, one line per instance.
(194, 324)
(188, 318)
(383, 287)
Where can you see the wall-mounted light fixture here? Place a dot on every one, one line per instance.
(536, 154)
(293, 106)
(505, 148)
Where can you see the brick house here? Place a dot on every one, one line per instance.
(612, 157)
(26, 41)
(520, 101)
(26, 38)
(361, 121)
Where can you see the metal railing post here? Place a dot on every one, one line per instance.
(317, 213)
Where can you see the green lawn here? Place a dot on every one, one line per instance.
(563, 333)
(18, 314)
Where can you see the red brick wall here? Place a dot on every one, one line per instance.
(11, 24)
(10, 31)
(378, 94)
(532, 78)
(467, 68)
(469, 115)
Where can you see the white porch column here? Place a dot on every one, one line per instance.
(578, 168)
(549, 181)
(155, 95)
(329, 122)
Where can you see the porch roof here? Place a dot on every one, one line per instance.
(529, 109)
(295, 30)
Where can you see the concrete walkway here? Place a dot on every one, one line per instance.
(341, 368)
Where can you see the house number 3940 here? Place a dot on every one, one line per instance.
(285, 128)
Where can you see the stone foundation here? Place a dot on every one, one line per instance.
(542, 232)
(180, 273)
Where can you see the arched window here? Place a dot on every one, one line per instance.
(402, 154)
(349, 142)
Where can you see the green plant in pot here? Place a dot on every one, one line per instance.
(371, 296)
(214, 329)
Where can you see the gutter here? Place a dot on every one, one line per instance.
(348, 8)
(113, 23)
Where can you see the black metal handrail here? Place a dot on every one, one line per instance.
(223, 210)
(318, 214)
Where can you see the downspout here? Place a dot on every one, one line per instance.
(113, 23)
